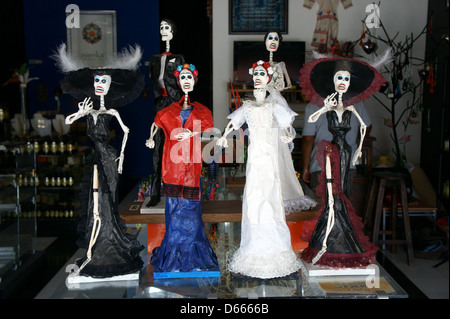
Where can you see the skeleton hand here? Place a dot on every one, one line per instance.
(288, 137)
(85, 106)
(356, 156)
(150, 143)
(330, 101)
(120, 158)
(83, 109)
(222, 142)
(185, 135)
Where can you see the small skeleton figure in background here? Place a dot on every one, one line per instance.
(293, 194)
(166, 91)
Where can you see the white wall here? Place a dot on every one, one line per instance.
(403, 16)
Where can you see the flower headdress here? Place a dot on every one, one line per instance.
(186, 66)
(265, 65)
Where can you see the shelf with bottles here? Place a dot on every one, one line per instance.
(41, 214)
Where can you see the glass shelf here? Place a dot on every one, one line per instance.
(228, 286)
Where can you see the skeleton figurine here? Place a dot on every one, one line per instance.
(262, 75)
(335, 236)
(181, 122)
(341, 81)
(294, 198)
(111, 251)
(102, 84)
(281, 79)
(166, 91)
(265, 250)
(186, 82)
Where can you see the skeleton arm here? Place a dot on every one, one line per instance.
(83, 109)
(223, 140)
(150, 143)
(315, 116)
(328, 104)
(286, 76)
(126, 130)
(362, 131)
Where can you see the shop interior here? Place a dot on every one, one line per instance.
(42, 159)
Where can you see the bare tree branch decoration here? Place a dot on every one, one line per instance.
(401, 84)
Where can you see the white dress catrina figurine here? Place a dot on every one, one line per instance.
(265, 249)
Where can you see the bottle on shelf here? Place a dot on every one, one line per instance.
(46, 147)
(36, 147)
(54, 147)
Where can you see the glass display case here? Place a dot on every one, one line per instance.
(17, 196)
(228, 286)
(224, 237)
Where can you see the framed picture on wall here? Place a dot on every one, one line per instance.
(257, 16)
(95, 40)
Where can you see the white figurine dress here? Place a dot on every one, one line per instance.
(265, 250)
(292, 192)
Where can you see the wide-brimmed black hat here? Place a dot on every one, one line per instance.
(126, 85)
(126, 82)
(316, 80)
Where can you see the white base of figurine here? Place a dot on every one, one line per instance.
(317, 271)
(158, 209)
(77, 279)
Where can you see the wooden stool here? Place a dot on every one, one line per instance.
(397, 181)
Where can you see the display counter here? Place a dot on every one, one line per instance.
(225, 241)
(222, 218)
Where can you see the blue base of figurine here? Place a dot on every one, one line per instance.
(187, 274)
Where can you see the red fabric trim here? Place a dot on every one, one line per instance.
(340, 260)
(329, 259)
(316, 99)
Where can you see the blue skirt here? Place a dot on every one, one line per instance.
(184, 246)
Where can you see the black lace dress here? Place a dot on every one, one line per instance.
(115, 252)
(347, 245)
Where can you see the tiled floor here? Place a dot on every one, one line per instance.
(432, 281)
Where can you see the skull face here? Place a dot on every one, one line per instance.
(187, 81)
(272, 42)
(102, 84)
(260, 77)
(165, 30)
(341, 81)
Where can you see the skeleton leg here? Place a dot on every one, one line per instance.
(330, 221)
(97, 221)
